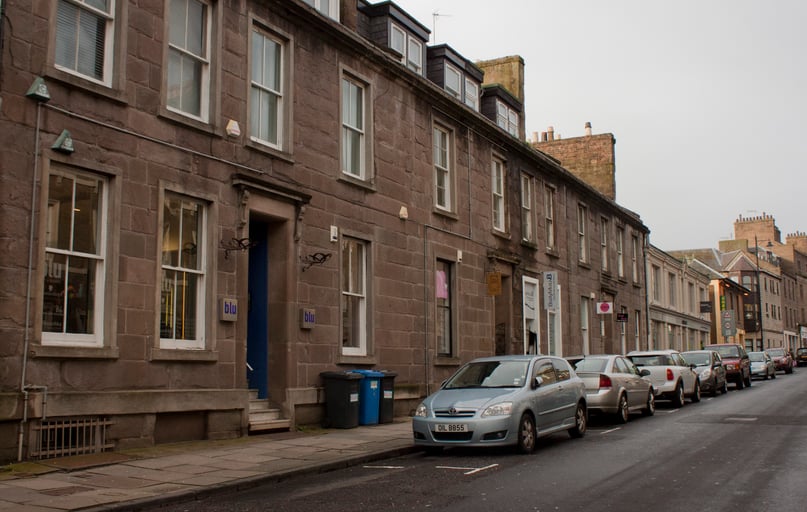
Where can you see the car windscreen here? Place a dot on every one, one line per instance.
(776, 352)
(801, 351)
(697, 358)
(756, 357)
(654, 360)
(727, 351)
(591, 365)
(490, 374)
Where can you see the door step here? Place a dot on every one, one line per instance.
(265, 416)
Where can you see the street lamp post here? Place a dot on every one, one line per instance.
(759, 298)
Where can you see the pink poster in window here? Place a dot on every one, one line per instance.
(440, 285)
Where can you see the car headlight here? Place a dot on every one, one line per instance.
(422, 411)
(502, 409)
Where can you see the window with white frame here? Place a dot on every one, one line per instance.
(549, 216)
(442, 168)
(471, 94)
(527, 232)
(75, 245)
(453, 81)
(183, 286)
(635, 258)
(637, 329)
(507, 118)
(582, 233)
(409, 47)
(354, 296)
(354, 120)
(620, 252)
(85, 38)
(584, 325)
(444, 304)
(266, 89)
(497, 174)
(604, 228)
(671, 279)
(189, 58)
(656, 271)
(329, 8)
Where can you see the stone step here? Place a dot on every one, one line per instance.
(266, 425)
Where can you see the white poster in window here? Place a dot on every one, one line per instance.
(440, 285)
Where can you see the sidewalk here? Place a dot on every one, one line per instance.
(142, 479)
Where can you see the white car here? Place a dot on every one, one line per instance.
(673, 379)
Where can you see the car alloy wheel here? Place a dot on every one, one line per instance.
(623, 413)
(650, 407)
(678, 397)
(696, 395)
(526, 434)
(580, 422)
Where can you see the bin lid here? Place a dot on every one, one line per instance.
(368, 373)
(340, 375)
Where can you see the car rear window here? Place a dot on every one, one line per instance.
(697, 358)
(590, 365)
(657, 360)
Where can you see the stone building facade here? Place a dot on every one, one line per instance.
(277, 191)
(676, 291)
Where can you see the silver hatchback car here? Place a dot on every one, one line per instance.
(506, 400)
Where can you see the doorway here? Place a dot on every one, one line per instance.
(258, 309)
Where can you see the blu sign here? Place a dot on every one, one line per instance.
(228, 311)
(308, 318)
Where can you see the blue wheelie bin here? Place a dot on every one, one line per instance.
(369, 396)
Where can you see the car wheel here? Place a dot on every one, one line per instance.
(696, 394)
(773, 375)
(622, 413)
(740, 382)
(748, 380)
(526, 434)
(678, 396)
(580, 422)
(650, 406)
(725, 388)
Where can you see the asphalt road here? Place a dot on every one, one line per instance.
(744, 451)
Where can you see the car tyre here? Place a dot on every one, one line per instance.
(526, 434)
(623, 412)
(773, 375)
(678, 396)
(725, 388)
(748, 380)
(650, 406)
(740, 384)
(696, 394)
(580, 422)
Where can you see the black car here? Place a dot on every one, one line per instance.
(801, 356)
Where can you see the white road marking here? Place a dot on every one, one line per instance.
(609, 431)
(385, 467)
(468, 471)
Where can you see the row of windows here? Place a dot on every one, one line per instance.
(691, 298)
(76, 277)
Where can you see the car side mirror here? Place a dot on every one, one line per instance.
(537, 381)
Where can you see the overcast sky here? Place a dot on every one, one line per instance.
(706, 98)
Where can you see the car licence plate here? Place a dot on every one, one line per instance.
(451, 427)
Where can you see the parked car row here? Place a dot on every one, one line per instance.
(516, 399)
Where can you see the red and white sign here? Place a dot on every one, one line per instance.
(605, 308)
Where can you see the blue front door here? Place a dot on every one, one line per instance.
(258, 309)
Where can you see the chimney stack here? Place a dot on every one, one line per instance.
(588, 128)
(551, 132)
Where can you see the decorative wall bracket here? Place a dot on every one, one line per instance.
(236, 244)
(317, 258)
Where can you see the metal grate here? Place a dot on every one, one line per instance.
(63, 437)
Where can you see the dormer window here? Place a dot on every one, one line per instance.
(471, 94)
(507, 118)
(329, 8)
(456, 75)
(410, 48)
(453, 81)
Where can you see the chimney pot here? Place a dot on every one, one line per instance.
(588, 128)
